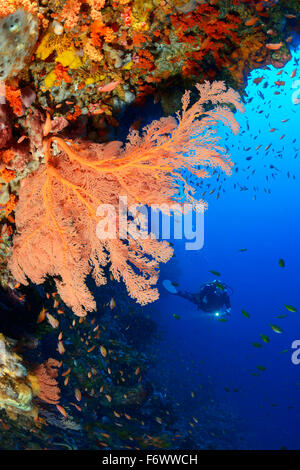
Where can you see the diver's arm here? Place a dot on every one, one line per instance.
(188, 296)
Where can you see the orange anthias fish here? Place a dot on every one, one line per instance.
(293, 74)
(112, 303)
(274, 47)
(42, 315)
(251, 21)
(103, 351)
(47, 125)
(77, 394)
(258, 80)
(66, 372)
(109, 87)
(62, 410)
(60, 347)
(53, 322)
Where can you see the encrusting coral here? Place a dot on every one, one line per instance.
(17, 386)
(57, 216)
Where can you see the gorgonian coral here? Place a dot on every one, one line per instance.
(56, 216)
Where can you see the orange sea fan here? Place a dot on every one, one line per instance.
(57, 215)
(46, 374)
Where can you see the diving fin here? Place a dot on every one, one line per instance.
(169, 286)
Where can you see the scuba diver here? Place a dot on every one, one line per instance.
(212, 298)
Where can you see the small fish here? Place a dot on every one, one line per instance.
(281, 316)
(276, 328)
(258, 80)
(112, 303)
(76, 406)
(62, 410)
(290, 308)
(251, 21)
(77, 394)
(274, 47)
(109, 87)
(47, 125)
(96, 112)
(42, 315)
(176, 316)
(60, 347)
(219, 286)
(246, 314)
(256, 345)
(66, 372)
(293, 74)
(242, 250)
(281, 263)
(262, 368)
(20, 140)
(215, 273)
(103, 351)
(265, 338)
(53, 322)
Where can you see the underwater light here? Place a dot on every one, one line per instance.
(217, 314)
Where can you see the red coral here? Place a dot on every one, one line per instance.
(11, 205)
(207, 32)
(14, 98)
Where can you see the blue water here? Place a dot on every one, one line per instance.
(213, 360)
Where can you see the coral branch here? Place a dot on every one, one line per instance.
(57, 212)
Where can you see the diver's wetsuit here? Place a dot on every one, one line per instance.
(210, 299)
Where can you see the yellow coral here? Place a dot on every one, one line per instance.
(141, 11)
(69, 58)
(51, 42)
(50, 79)
(46, 47)
(128, 66)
